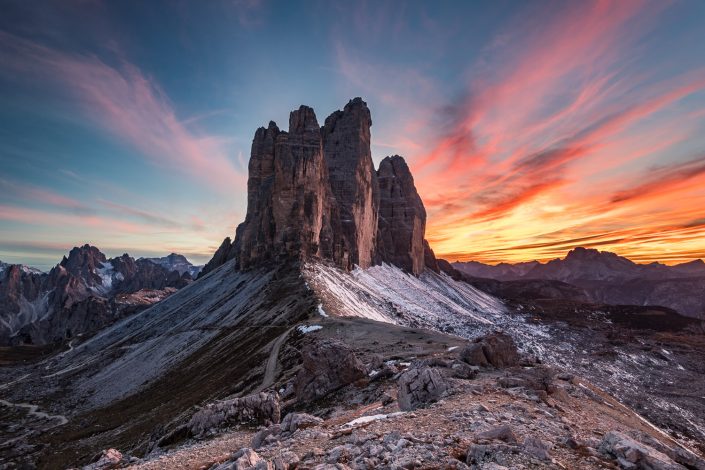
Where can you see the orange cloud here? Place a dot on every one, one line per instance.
(555, 144)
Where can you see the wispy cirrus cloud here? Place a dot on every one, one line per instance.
(128, 104)
(42, 217)
(28, 192)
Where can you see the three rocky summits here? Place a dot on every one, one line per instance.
(314, 192)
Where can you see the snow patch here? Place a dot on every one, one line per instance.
(371, 419)
(105, 271)
(321, 312)
(303, 329)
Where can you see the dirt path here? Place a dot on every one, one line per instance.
(32, 410)
(271, 367)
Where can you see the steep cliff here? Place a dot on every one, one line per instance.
(402, 217)
(353, 180)
(313, 192)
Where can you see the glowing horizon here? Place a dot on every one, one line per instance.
(531, 128)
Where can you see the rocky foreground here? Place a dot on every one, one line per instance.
(478, 406)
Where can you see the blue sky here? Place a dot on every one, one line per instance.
(128, 124)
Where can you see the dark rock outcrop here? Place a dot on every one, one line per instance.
(295, 421)
(632, 454)
(327, 366)
(496, 350)
(420, 386)
(18, 288)
(402, 217)
(258, 408)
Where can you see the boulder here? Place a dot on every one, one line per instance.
(483, 455)
(260, 408)
(501, 433)
(263, 435)
(327, 366)
(109, 458)
(631, 454)
(286, 460)
(496, 350)
(462, 370)
(535, 447)
(294, 421)
(419, 386)
(245, 459)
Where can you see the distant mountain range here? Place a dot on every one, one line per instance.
(83, 293)
(176, 262)
(606, 277)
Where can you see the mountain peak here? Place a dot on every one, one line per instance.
(83, 259)
(314, 192)
(580, 252)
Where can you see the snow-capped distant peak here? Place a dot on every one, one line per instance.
(176, 262)
(26, 269)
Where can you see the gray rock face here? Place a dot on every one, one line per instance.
(109, 458)
(327, 366)
(295, 421)
(501, 433)
(536, 448)
(402, 217)
(496, 350)
(631, 454)
(261, 408)
(245, 459)
(353, 180)
(420, 386)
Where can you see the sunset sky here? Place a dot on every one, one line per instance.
(531, 127)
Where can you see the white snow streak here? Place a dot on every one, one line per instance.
(303, 329)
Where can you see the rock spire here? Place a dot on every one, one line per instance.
(313, 192)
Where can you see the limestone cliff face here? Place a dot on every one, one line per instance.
(288, 196)
(300, 185)
(353, 180)
(402, 217)
(313, 192)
